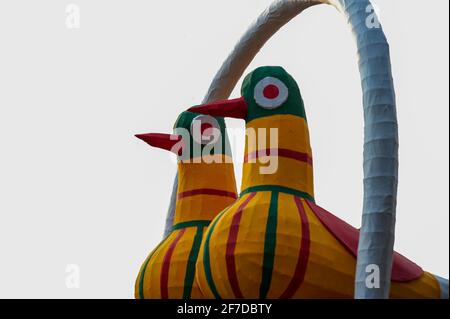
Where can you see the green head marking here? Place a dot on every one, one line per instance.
(270, 90)
(203, 133)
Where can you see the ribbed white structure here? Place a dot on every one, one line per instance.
(376, 241)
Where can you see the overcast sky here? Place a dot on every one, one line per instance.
(78, 189)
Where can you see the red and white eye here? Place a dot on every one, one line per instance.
(271, 93)
(205, 129)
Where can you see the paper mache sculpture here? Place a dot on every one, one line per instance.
(204, 189)
(274, 241)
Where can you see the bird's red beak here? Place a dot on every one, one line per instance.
(236, 108)
(169, 142)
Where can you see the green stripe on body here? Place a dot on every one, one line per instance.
(144, 268)
(206, 258)
(197, 223)
(194, 223)
(190, 268)
(269, 246)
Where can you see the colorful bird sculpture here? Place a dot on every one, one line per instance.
(275, 241)
(206, 185)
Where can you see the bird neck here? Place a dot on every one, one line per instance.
(278, 156)
(204, 189)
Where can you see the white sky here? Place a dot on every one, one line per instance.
(76, 186)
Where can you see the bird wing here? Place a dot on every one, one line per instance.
(403, 269)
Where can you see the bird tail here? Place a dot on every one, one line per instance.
(443, 283)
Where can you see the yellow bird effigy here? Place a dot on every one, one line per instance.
(275, 241)
(206, 185)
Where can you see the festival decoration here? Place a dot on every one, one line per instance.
(206, 185)
(275, 241)
(377, 234)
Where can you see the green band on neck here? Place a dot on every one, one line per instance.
(194, 223)
(276, 188)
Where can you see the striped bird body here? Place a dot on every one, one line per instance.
(272, 243)
(169, 271)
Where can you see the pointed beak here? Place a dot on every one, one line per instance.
(236, 108)
(167, 142)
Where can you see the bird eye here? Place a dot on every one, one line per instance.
(271, 93)
(205, 129)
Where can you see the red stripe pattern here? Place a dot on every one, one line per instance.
(166, 265)
(207, 191)
(302, 262)
(231, 247)
(282, 152)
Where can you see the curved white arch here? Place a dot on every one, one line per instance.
(278, 14)
(381, 129)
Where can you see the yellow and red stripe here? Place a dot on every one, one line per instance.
(237, 224)
(302, 262)
(231, 246)
(280, 152)
(272, 245)
(203, 191)
(207, 191)
(166, 265)
(167, 275)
